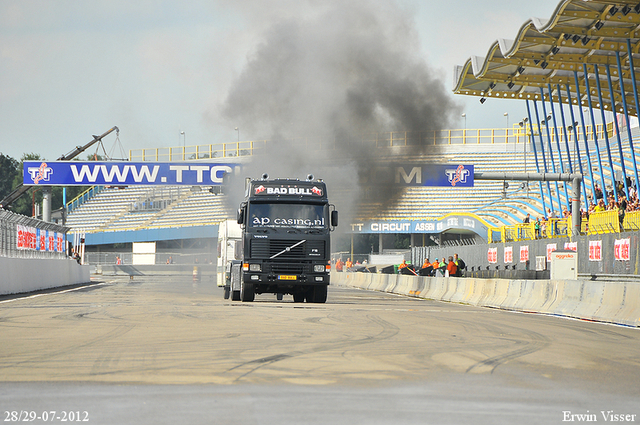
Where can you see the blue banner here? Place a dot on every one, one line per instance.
(441, 175)
(67, 173)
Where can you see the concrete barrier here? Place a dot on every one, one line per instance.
(614, 302)
(22, 275)
(629, 313)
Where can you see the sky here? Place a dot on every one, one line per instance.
(169, 73)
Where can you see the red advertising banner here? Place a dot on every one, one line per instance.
(31, 238)
(621, 249)
(595, 250)
(492, 255)
(524, 253)
(550, 248)
(508, 254)
(26, 237)
(573, 246)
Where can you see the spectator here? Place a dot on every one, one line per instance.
(451, 267)
(622, 209)
(460, 264)
(339, 265)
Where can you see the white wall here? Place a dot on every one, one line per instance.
(18, 275)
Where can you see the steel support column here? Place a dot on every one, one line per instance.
(535, 153)
(635, 97)
(553, 164)
(626, 115)
(615, 122)
(606, 133)
(593, 126)
(555, 128)
(544, 158)
(574, 125)
(586, 141)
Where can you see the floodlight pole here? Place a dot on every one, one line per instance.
(574, 178)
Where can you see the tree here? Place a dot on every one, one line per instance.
(8, 173)
(23, 205)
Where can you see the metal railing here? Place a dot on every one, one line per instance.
(598, 223)
(27, 237)
(83, 197)
(515, 135)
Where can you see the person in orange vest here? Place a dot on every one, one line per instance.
(436, 264)
(339, 265)
(451, 267)
(348, 264)
(402, 265)
(427, 268)
(438, 268)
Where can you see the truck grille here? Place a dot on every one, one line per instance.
(284, 268)
(267, 248)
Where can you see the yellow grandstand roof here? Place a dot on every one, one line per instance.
(552, 52)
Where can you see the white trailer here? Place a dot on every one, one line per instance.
(229, 250)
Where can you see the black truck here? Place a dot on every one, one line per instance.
(286, 247)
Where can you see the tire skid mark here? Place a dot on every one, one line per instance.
(524, 340)
(115, 333)
(388, 331)
(534, 342)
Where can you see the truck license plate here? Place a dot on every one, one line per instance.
(287, 277)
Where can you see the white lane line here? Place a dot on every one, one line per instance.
(19, 298)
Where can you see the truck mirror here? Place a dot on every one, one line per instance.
(334, 218)
(240, 215)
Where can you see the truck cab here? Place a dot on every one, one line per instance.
(286, 247)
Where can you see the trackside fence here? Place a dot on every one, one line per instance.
(27, 237)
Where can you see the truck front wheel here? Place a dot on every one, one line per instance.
(317, 294)
(247, 292)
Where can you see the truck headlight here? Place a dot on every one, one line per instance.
(255, 267)
(318, 268)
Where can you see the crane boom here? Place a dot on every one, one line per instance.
(21, 189)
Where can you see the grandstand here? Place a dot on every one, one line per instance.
(549, 63)
(132, 209)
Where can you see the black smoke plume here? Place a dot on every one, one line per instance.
(321, 89)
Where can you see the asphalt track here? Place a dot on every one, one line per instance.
(169, 350)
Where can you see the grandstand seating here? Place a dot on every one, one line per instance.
(116, 209)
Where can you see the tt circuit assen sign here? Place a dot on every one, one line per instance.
(453, 221)
(65, 173)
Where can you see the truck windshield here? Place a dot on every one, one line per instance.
(302, 216)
